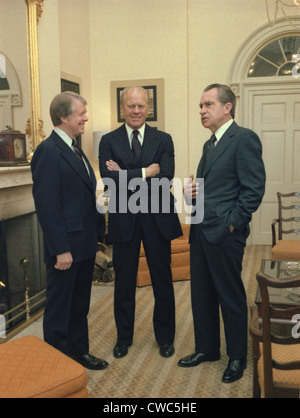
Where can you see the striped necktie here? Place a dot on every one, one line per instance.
(136, 145)
(77, 150)
(79, 155)
(209, 149)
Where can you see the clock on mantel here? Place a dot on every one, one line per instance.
(12, 148)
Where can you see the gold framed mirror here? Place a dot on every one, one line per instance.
(34, 128)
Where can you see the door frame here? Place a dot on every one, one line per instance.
(246, 87)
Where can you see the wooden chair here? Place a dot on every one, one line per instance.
(283, 247)
(276, 344)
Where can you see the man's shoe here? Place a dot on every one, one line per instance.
(235, 370)
(120, 351)
(198, 358)
(90, 362)
(167, 350)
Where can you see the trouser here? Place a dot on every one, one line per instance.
(67, 305)
(216, 282)
(125, 261)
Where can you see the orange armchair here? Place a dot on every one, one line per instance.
(180, 264)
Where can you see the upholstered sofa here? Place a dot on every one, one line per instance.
(180, 263)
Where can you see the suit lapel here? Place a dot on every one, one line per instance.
(223, 143)
(74, 162)
(124, 146)
(150, 145)
(149, 148)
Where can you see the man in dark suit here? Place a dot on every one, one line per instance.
(131, 223)
(64, 188)
(234, 184)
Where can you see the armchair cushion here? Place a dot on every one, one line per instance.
(286, 250)
(282, 378)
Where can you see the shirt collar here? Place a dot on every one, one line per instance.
(64, 136)
(141, 132)
(221, 131)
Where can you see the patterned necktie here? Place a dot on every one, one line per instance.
(136, 145)
(77, 150)
(209, 149)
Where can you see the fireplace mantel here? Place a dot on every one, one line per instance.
(15, 176)
(15, 191)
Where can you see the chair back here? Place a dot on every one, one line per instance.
(287, 215)
(278, 326)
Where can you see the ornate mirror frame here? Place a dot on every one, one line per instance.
(34, 128)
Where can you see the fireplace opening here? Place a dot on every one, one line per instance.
(22, 269)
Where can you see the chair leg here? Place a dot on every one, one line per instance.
(256, 356)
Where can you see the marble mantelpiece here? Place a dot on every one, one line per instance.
(15, 191)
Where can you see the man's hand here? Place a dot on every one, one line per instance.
(112, 165)
(152, 170)
(191, 190)
(63, 261)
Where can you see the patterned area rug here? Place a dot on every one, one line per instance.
(143, 373)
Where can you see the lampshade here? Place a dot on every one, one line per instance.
(97, 135)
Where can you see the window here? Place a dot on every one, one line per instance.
(275, 59)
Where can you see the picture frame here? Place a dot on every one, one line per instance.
(155, 88)
(70, 85)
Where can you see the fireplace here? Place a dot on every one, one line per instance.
(22, 286)
(22, 270)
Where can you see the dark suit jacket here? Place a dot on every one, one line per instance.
(157, 148)
(64, 197)
(234, 183)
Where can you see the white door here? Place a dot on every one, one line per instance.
(275, 117)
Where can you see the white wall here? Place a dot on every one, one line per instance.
(188, 43)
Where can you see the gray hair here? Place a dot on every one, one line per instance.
(225, 95)
(63, 106)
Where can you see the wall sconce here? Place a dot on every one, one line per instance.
(97, 135)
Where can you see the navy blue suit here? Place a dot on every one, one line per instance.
(234, 185)
(127, 230)
(64, 196)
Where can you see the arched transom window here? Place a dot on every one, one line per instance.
(275, 59)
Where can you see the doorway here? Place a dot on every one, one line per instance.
(268, 93)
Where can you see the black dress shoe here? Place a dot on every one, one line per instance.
(120, 351)
(235, 370)
(90, 362)
(198, 358)
(167, 350)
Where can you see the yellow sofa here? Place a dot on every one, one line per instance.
(180, 264)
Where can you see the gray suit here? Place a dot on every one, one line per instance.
(234, 184)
